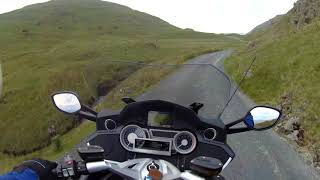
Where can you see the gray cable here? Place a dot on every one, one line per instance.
(235, 91)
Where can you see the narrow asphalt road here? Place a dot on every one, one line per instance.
(259, 155)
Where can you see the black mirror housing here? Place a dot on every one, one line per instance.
(66, 102)
(258, 118)
(261, 118)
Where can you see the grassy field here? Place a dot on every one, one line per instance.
(52, 152)
(63, 45)
(285, 74)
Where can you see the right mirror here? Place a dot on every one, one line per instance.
(260, 118)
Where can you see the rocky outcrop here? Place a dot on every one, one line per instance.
(304, 11)
(291, 128)
(291, 124)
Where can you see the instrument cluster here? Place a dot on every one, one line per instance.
(157, 141)
(153, 128)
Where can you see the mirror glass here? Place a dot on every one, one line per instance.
(261, 117)
(67, 102)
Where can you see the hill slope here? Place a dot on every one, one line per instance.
(47, 47)
(286, 73)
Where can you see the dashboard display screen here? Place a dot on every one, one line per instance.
(159, 119)
(152, 145)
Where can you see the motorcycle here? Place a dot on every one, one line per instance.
(162, 137)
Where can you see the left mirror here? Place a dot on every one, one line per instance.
(67, 102)
(260, 118)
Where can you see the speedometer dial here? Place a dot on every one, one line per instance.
(129, 134)
(184, 142)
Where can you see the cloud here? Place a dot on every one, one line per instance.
(10, 5)
(218, 16)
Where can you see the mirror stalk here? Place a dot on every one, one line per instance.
(87, 108)
(88, 116)
(234, 123)
(237, 130)
(128, 100)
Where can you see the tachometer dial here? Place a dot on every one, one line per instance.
(184, 142)
(128, 135)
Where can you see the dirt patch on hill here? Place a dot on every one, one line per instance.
(291, 128)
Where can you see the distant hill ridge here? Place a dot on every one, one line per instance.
(95, 15)
(266, 24)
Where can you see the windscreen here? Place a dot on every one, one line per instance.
(184, 84)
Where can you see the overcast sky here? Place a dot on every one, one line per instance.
(217, 16)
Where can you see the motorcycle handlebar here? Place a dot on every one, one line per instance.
(75, 169)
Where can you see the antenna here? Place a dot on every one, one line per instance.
(241, 81)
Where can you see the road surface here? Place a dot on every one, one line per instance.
(259, 155)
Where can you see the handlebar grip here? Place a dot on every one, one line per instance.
(74, 169)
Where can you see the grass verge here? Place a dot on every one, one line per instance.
(286, 75)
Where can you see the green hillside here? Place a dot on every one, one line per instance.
(47, 47)
(270, 30)
(286, 73)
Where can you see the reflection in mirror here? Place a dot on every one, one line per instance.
(67, 102)
(261, 118)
